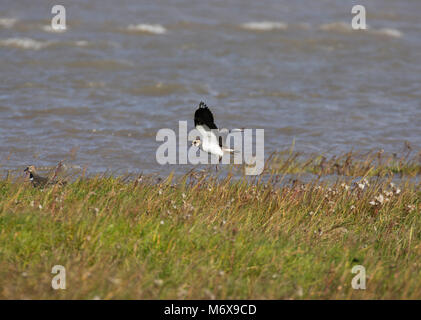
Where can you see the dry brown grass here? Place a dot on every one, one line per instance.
(199, 237)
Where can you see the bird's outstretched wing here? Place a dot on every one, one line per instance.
(203, 116)
(203, 121)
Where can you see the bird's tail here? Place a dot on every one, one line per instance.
(228, 150)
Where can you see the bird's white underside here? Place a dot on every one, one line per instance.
(209, 141)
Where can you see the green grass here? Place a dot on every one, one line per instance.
(176, 240)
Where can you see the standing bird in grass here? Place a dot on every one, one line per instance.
(36, 180)
(211, 141)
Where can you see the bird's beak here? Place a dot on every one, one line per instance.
(26, 170)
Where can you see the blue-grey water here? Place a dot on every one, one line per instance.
(96, 94)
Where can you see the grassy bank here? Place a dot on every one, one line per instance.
(362, 164)
(202, 238)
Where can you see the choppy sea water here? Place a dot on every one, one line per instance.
(97, 94)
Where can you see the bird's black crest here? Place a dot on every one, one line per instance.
(203, 116)
(202, 105)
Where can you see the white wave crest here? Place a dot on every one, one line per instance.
(395, 33)
(23, 43)
(346, 27)
(81, 43)
(264, 26)
(7, 22)
(147, 28)
(48, 28)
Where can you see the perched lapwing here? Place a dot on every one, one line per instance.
(36, 180)
(211, 141)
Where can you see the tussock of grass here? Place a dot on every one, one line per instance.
(199, 237)
(349, 164)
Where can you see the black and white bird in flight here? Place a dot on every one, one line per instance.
(211, 141)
